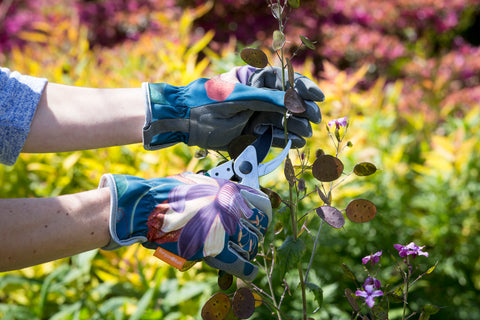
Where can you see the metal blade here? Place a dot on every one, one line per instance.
(266, 168)
(263, 143)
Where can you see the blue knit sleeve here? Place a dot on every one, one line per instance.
(19, 98)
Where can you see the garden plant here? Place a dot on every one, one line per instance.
(405, 74)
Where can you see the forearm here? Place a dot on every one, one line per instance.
(75, 118)
(34, 231)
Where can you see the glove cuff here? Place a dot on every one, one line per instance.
(163, 127)
(108, 180)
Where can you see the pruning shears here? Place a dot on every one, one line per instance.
(247, 167)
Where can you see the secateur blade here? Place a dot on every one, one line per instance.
(263, 143)
(247, 166)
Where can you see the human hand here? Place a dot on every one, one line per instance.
(210, 113)
(190, 217)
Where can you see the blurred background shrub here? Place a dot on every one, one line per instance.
(405, 72)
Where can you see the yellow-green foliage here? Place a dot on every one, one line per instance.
(426, 190)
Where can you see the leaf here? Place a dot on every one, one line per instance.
(317, 292)
(364, 169)
(294, 3)
(293, 102)
(352, 300)
(289, 172)
(278, 40)
(291, 73)
(322, 196)
(332, 216)
(431, 309)
(348, 272)
(289, 254)
(379, 312)
(307, 42)
(360, 210)
(243, 303)
(254, 57)
(327, 168)
(277, 11)
(431, 269)
(217, 307)
(143, 304)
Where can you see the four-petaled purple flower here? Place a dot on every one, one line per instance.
(410, 249)
(340, 122)
(373, 258)
(370, 291)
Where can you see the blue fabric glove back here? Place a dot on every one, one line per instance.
(210, 113)
(190, 217)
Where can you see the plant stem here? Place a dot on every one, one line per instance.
(407, 284)
(302, 285)
(313, 251)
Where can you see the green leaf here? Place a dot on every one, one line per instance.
(294, 3)
(307, 42)
(348, 272)
(317, 292)
(289, 254)
(379, 312)
(431, 269)
(278, 40)
(431, 309)
(143, 304)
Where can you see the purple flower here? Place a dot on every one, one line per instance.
(370, 291)
(199, 213)
(373, 258)
(340, 122)
(410, 249)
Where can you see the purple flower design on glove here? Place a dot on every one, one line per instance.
(199, 213)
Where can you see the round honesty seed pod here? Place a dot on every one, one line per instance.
(327, 168)
(225, 280)
(243, 303)
(254, 57)
(364, 169)
(332, 216)
(360, 210)
(217, 307)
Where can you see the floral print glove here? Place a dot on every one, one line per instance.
(189, 217)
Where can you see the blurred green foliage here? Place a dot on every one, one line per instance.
(426, 190)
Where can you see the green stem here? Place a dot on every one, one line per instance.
(302, 285)
(407, 284)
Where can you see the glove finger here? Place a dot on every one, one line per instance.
(271, 77)
(260, 205)
(233, 263)
(245, 241)
(298, 126)
(278, 136)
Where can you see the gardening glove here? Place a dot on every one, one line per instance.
(189, 217)
(210, 113)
